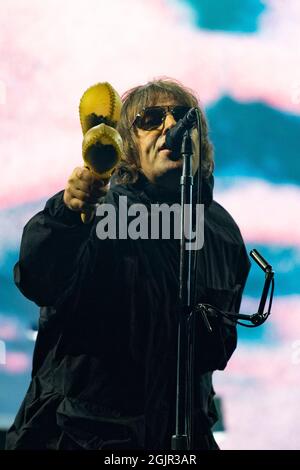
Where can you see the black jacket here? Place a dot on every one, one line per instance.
(104, 365)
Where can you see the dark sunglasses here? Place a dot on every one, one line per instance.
(153, 116)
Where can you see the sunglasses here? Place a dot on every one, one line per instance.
(153, 116)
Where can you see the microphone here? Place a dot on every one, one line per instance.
(174, 135)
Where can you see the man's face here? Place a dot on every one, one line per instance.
(159, 165)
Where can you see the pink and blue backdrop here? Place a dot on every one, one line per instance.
(242, 59)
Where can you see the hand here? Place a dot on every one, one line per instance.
(83, 190)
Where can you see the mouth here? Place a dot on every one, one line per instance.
(170, 154)
(162, 147)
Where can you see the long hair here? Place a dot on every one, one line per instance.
(134, 100)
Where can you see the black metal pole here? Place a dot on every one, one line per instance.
(180, 441)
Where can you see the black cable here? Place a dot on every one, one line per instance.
(198, 201)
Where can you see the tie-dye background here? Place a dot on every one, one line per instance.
(242, 57)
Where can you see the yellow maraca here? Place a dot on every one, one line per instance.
(99, 111)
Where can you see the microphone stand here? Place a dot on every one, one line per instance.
(181, 439)
(258, 318)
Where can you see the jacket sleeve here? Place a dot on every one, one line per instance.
(215, 348)
(52, 247)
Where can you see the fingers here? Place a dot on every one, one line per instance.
(80, 206)
(84, 189)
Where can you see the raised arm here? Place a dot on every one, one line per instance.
(54, 240)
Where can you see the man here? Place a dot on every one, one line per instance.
(104, 366)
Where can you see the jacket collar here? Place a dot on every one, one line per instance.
(155, 193)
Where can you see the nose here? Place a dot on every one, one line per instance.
(169, 122)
